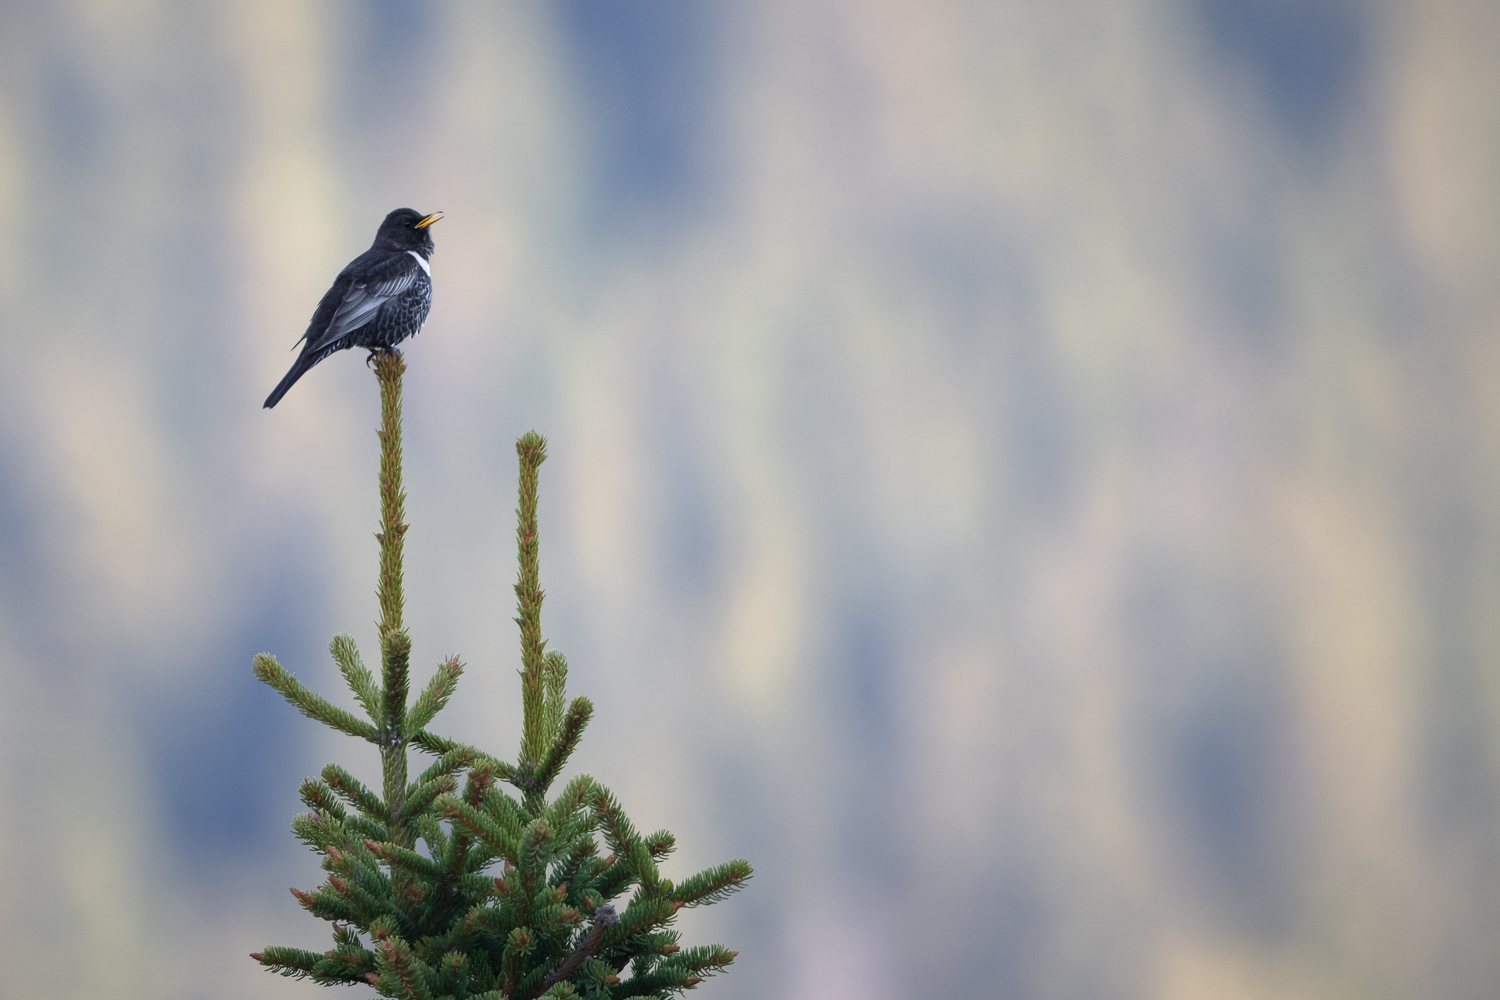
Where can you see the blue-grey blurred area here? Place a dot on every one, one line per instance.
(1024, 474)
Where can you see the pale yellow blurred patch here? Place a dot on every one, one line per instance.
(1195, 968)
(610, 496)
(763, 631)
(1444, 136)
(127, 526)
(1354, 628)
(290, 201)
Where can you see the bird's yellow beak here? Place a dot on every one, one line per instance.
(429, 220)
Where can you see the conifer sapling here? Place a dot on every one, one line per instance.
(441, 921)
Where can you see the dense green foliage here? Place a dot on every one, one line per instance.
(443, 922)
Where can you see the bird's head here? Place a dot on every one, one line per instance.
(407, 229)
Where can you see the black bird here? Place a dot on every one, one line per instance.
(376, 302)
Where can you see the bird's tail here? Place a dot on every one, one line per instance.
(299, 369)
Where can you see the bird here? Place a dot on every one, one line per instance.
(378, 300)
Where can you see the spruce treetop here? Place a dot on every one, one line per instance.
(442, 892)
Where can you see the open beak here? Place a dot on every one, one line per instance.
(429, 220)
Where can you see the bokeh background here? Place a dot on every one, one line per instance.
(1024, 474)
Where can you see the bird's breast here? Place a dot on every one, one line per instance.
(422, 261)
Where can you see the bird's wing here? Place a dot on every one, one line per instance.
(364, 297)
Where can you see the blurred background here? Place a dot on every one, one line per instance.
(1023, 474)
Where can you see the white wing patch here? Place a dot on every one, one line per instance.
(423, 261)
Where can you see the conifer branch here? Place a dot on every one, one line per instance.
(555, 683)
(568, 732)
(613, 876)
(432, 743)
(573, 801)
(531, 980)
(317, 795)
(397, 657)
(501, 843)
(573, 867)
(312, 705)
(420, 795)
(503, 809)
(296, 963)
(389, 367)
(426, 826)
(480, 780)
(358, 676)
(660, 844)
(393, 770)
(604, 918)
(402, 970)
(642, 914)
(532, 449)
(317, 829)
(713, 884)
(365, 904)
(517, 944)
(353, 791)
(408, 859)
(395, 644)
(705, 958)
(621, 836)
(432, 699)
(450, 762)
(680, 971)
(535, 852)
(328, 905)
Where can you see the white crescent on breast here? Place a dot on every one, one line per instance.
(423, 261)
